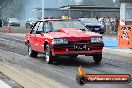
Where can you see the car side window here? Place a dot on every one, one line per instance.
(35, 28)
(47, 27)
(40, 28)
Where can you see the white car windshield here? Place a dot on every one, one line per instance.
(13, 20)
(89, 20)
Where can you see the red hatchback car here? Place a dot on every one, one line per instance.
(55, 37)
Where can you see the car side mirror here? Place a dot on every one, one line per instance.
(31, 26)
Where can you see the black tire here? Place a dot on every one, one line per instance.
(31, 52)
(48, 55)
(101, 32)
(97, 58)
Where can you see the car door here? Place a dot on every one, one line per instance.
(33, 38)
(39, 36)
(47, 28)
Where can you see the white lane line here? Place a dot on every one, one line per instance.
(4, 85)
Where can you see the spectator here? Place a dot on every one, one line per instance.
(0, 22)
(110, 24)
(65, 17)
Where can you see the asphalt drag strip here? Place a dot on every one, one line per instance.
(64, 70)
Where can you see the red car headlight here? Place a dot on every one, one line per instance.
(96, 39)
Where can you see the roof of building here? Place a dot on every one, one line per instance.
(126, 1)
(100, 2)
(91, 8)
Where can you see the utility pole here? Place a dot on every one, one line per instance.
(0, 18)
(42, 9)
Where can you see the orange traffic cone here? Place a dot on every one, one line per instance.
(9, 30)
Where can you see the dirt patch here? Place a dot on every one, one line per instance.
(14, 29)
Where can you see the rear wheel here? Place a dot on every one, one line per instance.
(48, 55)
(97, 58)
(31, 52)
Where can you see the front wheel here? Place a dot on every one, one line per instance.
(97, 58)
(48, 55)
(31, 52)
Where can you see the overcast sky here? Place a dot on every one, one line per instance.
(78, 0)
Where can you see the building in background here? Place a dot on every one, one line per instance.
(24, 9)
(100, 2)
(103, 3)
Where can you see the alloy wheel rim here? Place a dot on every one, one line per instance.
(47, 56)
(29, 50)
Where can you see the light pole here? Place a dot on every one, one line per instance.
(26, 13)
(42, 9)
(114, 1)
(60, 2)
(0, 18)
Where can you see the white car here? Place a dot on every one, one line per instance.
(93, 25)
(13, 22)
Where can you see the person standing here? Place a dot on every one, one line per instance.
(65, 17)
(0, 22)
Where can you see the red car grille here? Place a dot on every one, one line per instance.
(80, 42)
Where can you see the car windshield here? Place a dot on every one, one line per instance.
(57, 25)
(90, 20)
(13, 19)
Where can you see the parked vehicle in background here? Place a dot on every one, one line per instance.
(93, 25)
(5, 22)
(57, 37)
(31, 22)
(13, 22)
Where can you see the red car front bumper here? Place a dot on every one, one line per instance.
(92, 49)
(72, 52)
